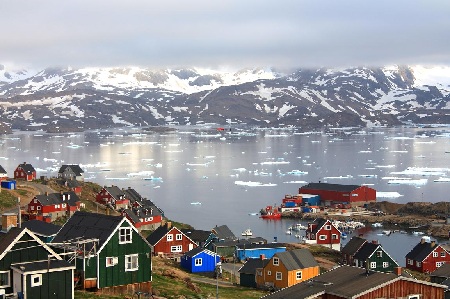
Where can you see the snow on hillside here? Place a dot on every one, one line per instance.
(435, 76)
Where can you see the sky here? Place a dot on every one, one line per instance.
(283, 34)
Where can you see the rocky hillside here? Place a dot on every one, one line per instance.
(78, 99)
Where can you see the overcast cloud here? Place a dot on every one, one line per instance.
(228, 33)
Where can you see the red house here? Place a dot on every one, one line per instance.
(25, 172)
(48, 207)
(144, 218)
(426, 257)
(323, 232)
(113, 196)
(170, 242)
(332, 194)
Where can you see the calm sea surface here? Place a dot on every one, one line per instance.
(208, 178)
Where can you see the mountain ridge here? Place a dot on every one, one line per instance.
(67, 99)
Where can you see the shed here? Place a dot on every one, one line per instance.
(199, 260)
(248, 272)
(11, 184)
(252, 251)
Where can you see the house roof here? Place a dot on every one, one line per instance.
(43, 265)
(343, 281)
(330, 187)
(260, 246)
(133, 195)
(115, 192)
(157, 234)
(366, 251)
(252, 264)
(421, 251)
(2, 170)
(297, 259)
(74, 167)
(69, 183)
(353, 245)
(320, 223)
(58, 198)
(442, 271)
(84, 225)
(197, 235)
(223, 232)
(136, 213)
(197, 250)
(28, 168)
(41, 228)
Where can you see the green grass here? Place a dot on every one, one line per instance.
(92, 295)
(7, 200)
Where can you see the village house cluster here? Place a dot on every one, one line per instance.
(109, 254)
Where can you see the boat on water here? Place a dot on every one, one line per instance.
(247, 233)
(386, 232)
(343, 235)
(377, 224)
(297, 227)
(271, 215)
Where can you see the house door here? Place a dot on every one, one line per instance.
(191, 246)
(17, 282)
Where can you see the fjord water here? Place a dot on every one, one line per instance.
(216, 178)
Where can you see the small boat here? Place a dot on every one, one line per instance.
(418, 233)
(377, 224)
(248, 232)
(343, 235)
(271, 216)
(387, 232)
(253, 214)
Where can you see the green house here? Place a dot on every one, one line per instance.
(31, 269)
(109, 253)
(373, 256)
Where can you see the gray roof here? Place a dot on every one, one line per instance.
(2, 170)
(343, 281)
(84, 225)
(367, 250)
(421, 251)
(197, 235)
(223, 232)
(74, 167)
(68, 197)
(133, 195)
(41, 228)
(69, 183)
(442, 271)
(353, 245)
(330, 187)
(136, 213)
(115, 192)
(251, 265)
(43, 266)
(297, 259)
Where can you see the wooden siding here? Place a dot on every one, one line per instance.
(164, 247)
(116, 275)
(362, 194)
(54, 285)
(429, 264)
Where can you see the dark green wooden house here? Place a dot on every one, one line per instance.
(248, 272)
(372, 256)
(31, 269)
(111, 255)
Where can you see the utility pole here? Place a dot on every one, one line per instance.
(19, 214)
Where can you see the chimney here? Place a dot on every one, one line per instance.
(8, 220)
(262, 257)
(433, 243)
(398, 270)
(374, 241)
(169, 224)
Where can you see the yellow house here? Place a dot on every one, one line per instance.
(286, 269)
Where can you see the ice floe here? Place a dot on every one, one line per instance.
(141, 173)
(423, 171)
(382, 194)
(408, 181)
(254, 184)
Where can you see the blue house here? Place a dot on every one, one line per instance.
(253, 251)
(199, 260)
(11, 184)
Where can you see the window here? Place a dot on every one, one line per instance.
(435, 254)
(111, 261)
(278, 276)
(413, 297)
(125, 235)
(334, 236)
(410, 262)
(4, 279)
(198, 262)
(385, 264)
(327, 227)
(276, 261)
(373, 265)
(298, 275)
(379, 253)
(179, 237)
(418, 264)
(38, 208)
(178, 248)
(169, 238)
(32, 208)
(322, 237)
(259, 272)
(269, 273)
(131, 262)
(438, 264)
(442, 253)
(36, 280)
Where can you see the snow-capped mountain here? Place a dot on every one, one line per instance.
(77, 99)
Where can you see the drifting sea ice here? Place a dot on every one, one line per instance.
(409, 182)
(388, 194)
(253, 184)
(423, 171)
(295, 182)
(141, 173)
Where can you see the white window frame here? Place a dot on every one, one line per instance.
(176, 248)
(179, 237)
(8, 273)
(269, 273)
(415, 296)
(38, 208)
(385, 264)
(322, 237)
(131, 262)
(125, 235)
(298, 275)
(198, 262)
(36, 280)
(439, 264)
(379, 253)
(111, 261)
(328, 227)
(169, 238)
(276, 261)
(418, 264)
(442, 253)
(278, 275)
(373, 265)
(334, 236)
(435, 254)
(410, 262)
